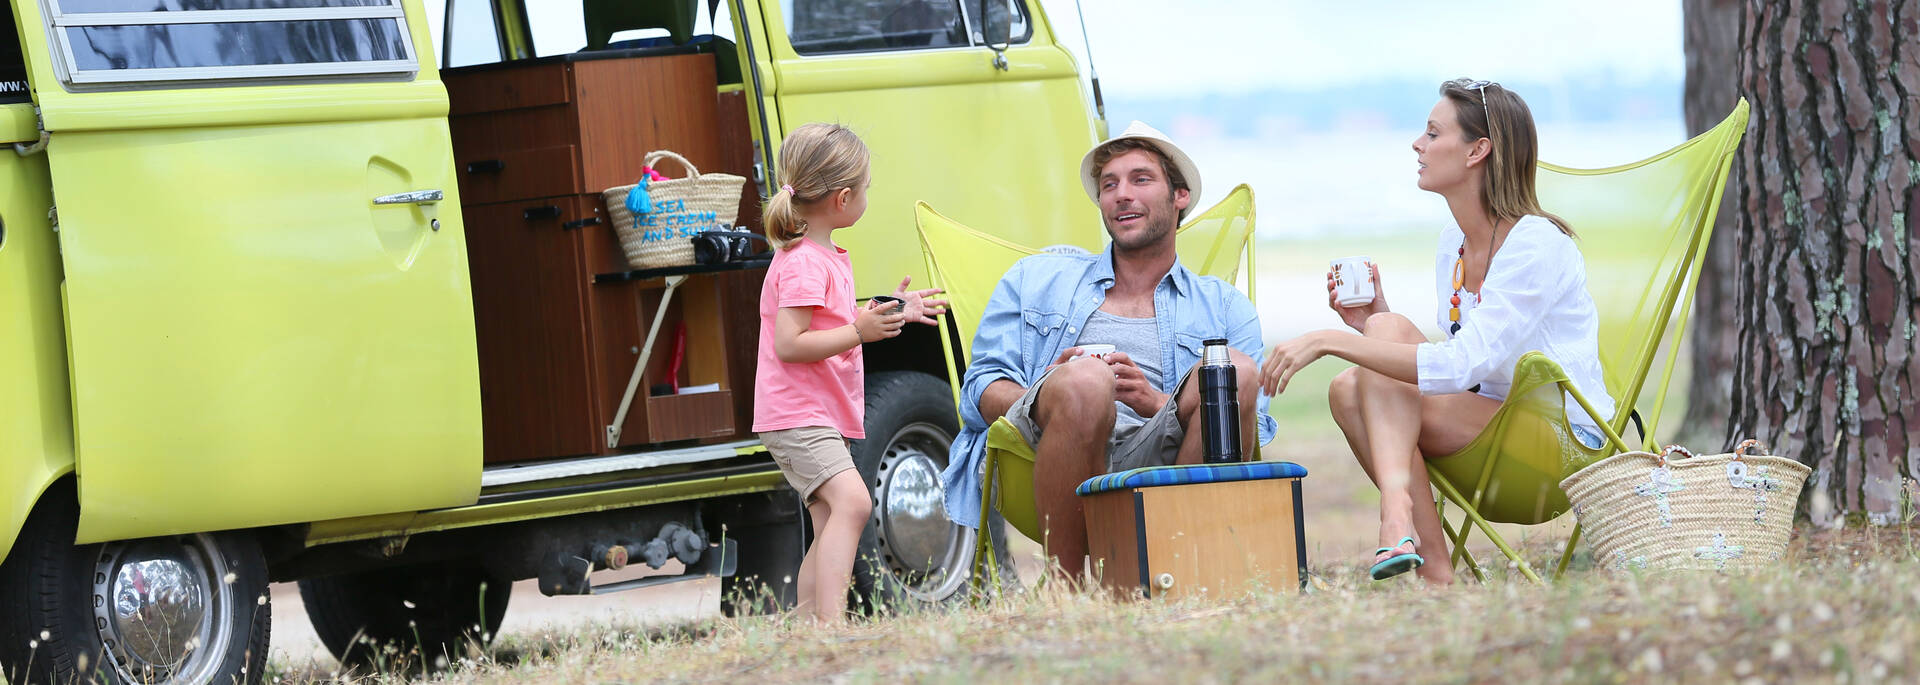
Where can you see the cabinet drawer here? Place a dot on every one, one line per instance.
(519, 174)
(496, 88)
(686, 417)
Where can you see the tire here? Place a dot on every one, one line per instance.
(385, 620)
(767, 579)
(910, 554)
(113, 612)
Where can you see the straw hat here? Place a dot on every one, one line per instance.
(1148, 134)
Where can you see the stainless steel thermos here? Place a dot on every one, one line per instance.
(1219, 404)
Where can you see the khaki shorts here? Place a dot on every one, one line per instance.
(808, 456)
(1133, 444)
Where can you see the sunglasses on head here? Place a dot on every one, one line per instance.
(1482, 86)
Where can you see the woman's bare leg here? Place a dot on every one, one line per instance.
(1389, 413)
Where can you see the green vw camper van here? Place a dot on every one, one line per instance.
(327, 291)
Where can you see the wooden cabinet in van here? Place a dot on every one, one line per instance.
(536, 143)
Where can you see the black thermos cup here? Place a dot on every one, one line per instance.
(1219, 404)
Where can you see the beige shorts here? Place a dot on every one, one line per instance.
(1134, 443)
(808, 456)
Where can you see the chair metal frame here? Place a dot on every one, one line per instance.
(1677, 292)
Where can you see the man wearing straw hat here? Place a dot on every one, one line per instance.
(1091, 355)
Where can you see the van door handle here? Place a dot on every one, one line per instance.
(417, 197)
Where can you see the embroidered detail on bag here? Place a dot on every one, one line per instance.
(1755, 479)
(1720, 552)
(1660, 483)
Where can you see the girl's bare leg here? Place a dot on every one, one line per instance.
(837, 540)
(809, 569)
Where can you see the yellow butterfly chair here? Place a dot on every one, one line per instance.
(1643, 229)
(968, 264)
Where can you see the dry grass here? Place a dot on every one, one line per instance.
(1840, 608)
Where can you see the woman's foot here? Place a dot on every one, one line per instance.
(1395, 560)
(1404, 546)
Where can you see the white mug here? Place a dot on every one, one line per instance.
(1352, 281)
(1100, 350)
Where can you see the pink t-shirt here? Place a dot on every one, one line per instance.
(830, 392)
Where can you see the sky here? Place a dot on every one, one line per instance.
(1223, 45)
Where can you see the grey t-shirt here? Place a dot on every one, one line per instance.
(1139, 338)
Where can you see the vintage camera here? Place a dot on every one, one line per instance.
(719, 247)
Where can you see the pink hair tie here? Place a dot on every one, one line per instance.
(786, 189)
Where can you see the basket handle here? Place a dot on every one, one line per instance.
(1671, 449)
(655, 156)
(1747, 444)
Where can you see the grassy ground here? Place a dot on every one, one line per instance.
(1843, 607)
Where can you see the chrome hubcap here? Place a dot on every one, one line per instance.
(927, 553)
(157, 606)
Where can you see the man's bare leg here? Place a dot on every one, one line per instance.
(1075, 414)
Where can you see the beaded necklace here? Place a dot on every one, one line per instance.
(1459, 283)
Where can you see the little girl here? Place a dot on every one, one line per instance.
(809, 390)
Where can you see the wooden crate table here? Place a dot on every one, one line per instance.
(1185, 531)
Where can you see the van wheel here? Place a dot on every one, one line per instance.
(173, 609)
(384, 620)
(910, 554)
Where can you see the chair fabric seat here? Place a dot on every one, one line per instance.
(1156, 476)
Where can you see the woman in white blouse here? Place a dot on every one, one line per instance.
(1511, 281)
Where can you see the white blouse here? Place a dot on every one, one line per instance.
(1534, 298)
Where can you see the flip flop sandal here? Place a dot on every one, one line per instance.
(1396, 564)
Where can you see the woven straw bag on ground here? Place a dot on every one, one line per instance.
(1677, 511)
(655, 218)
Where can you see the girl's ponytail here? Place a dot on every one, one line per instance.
(782, 224)
(815, 160)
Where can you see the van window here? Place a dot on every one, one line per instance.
(823, 27)
(163, 41)
(474, 34)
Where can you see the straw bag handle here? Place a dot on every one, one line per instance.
(1670, 449)
(1745, 445)
(656, 155)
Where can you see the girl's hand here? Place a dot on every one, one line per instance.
(1288, 358)
(879, 321)
(1356, 317)
(917, 308)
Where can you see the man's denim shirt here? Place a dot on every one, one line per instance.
(1038, 309)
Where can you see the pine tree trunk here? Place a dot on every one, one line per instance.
(1825, 288)
(1712, 48)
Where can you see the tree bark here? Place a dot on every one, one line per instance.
(1825, 294)
(1712, 36)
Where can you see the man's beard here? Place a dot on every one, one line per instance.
(1158, 228)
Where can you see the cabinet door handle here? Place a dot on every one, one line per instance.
(417, 197)
(486, 166)
(541, 212)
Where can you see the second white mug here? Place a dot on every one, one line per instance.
(1352, 281)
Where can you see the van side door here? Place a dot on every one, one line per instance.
(267, 302)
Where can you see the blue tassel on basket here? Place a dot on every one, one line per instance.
(637, 200)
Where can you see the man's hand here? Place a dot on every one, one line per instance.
(1130, 386)
(1066, 355)
(916, 307)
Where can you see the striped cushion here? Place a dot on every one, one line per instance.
(1154, 476)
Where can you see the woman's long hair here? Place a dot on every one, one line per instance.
(815, 160)
(1507, 190)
